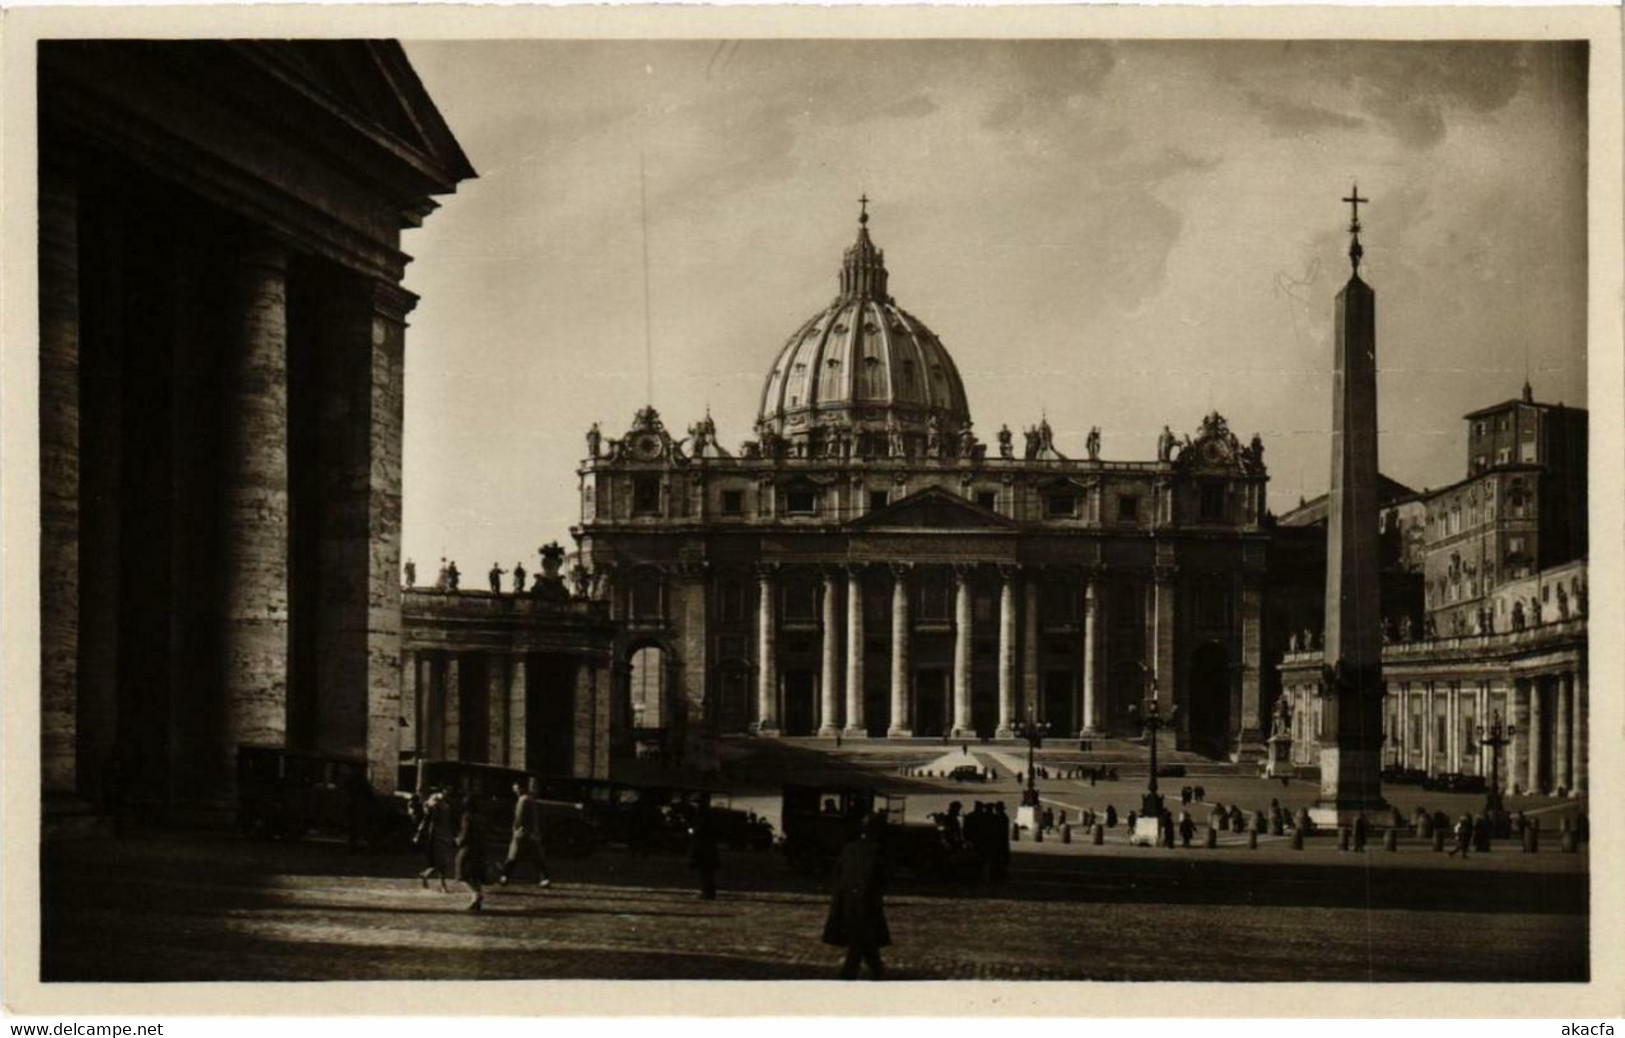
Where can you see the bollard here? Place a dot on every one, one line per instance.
(1571, 842)
(1252, 840)
(1066, 832)
(1297, 839)
(1438, 839)
(1390, 840)
(1343, 838)
(1099, 834)
(1212, 839)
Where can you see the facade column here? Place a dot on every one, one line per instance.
(1007, 653)
(410, 735)
(1537, 725)
(1402, 736)
(767, 657)
(1167, 692)
(856, 726)
(1562, 741)
(496, 705)
(1453, 714)
(1429, 728)
(1091, 656)
(1514, 751)
(901, 670)
(451, 699)
(963, 620)
(254, 508)
(829, 677)
(1254, 726)
(1032, 705)
(518, 707)
(1483, 718)
(59, 480)
(1582, 750)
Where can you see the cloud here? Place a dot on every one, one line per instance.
(1290, 118)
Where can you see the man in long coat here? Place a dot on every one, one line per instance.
(436, 834)
(703, 855)
(857, 915)
(526, 842)
(471, 851)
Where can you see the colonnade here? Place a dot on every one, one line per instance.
(842, 660)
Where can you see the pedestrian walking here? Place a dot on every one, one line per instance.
(471, 851)
(525, 846)
(1111, 816)
(703, 855)
(436, 837)
(1464, 836)
(1187, 828)
(857, 914)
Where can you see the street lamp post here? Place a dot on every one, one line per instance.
(1153, 720)
(1495, 735)
(1032, 730)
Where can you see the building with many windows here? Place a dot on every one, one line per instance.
(868, 564)
(1503, 607)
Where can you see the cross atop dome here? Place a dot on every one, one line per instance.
(863, 268)
(863, 212)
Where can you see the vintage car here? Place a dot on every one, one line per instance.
(285, 794)
(566, 827)
(819, 820)
(967, 773)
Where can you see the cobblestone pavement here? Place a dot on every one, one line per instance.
(166, 905)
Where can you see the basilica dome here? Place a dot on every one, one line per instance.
(863, 363)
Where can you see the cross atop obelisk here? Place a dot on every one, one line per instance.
(1355, 251)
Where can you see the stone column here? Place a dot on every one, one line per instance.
(1514, 749)
(59, 479)
(452, 699)
(496, 700)
(254, 508)
(1164, 648)
(901, 671)
(1090, 722)
(1032, 703)
(1562, 773)
(518, 711)
(963, 620)
(767, 660)
(411, 733)
(1537, 724)
(829, 676)
(1582, 749)
(856, 727)
(1452, 713)
(1007, 652)
(1254, 728)
(1429, 727)
(1483, 713)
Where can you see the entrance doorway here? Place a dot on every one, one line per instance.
(800, 716)
(930, 703)
(550, 712)
(1210, 701)
(1058, 703)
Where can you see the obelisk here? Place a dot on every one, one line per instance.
(1351, 674)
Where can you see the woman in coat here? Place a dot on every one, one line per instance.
(857, 915)
(434, 838)
(471, 851)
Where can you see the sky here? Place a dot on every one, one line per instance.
(1116, 233)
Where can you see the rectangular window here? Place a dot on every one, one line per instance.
(646, 597)
(800, 502)
(646, 495)
(984, 609)
(1061, 505)
(1503, 456)
(936, 600)
(733, 502)
(800, 601)
(1213, 501)
(988, 499)
(878, 499)
(1528, 453)
(1060, 603)
(1128, 508)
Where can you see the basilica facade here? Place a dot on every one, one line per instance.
(868, 565)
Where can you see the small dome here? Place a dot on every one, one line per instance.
(863, 361)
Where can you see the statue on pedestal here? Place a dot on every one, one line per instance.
(933, 437)
(411, 573)
(1165, 444)
(1093, 443)
(1005, 449)
(595, 439)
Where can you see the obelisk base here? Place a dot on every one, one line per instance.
(1350, 785)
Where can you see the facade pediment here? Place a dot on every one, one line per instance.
(935, 509)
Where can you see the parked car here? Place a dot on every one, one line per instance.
(967, 773)
(820, 820)
(285, 794)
